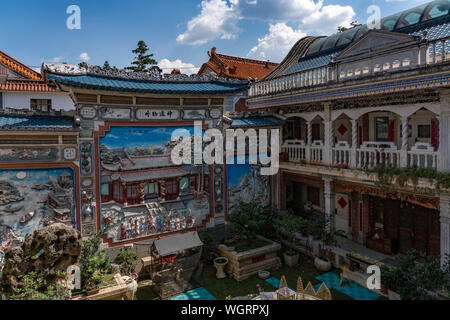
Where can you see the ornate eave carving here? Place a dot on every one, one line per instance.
(416, 199)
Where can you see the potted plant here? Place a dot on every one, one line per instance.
(127, 260)
(208, 252)
(94, 264)
(322, 262)
(248, 220)
(413, 280)
(286, 221)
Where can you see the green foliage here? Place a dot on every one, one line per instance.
(249, 219)
(128, 260)
(107, 66)
(208, 246)
(94, 264)
(386, 177)
(415, 280)
(143, 60)
(34, 288)
(289, 223)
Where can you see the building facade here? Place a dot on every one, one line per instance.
(361, 107)
(133, 191)
(23, 88)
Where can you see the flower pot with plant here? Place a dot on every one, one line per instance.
(286, 221)
(411, 280)
(94, 264)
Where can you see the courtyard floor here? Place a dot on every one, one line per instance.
(221, 289)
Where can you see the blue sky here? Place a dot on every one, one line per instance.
(131, 137)
(179, 32)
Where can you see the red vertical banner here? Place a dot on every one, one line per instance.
(434, 135)
(392, 131)
(361, 216)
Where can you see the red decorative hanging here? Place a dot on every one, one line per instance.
(342, 203)
(392, 131)
(342, 129)
(434, 135)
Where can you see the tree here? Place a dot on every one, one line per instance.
(94, 263)
(143, 60)
(128, 260)
(248, 219)
(107, 66)
(415, 280)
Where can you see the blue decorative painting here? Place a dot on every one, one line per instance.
(246, 184)
(34, 198)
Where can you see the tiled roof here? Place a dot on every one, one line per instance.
(433, 32)
(256, 122)
(168, 87)
(311, 63)
(26, 85)
(237, 67)
(145, 175)
(433, 17)
(16, 122)
(19, 67)
(138, 163)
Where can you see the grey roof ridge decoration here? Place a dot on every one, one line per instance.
(298, 51)
(154, 74)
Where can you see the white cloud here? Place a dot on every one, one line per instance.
(186, 68)
(85, 57)
(279, 10)
(217, 19)
(276, 44)
(326, 20)
(57, 59)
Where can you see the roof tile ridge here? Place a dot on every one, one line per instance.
(30, 72)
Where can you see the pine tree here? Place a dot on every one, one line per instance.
(143, 60)
(107, 66)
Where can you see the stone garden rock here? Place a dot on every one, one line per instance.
(45, 251)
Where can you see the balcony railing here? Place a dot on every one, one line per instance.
(296, 149)
(361, 158)
(375, 158)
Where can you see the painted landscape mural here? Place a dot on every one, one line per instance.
(34, 198)
(143, 193)
(246, 184)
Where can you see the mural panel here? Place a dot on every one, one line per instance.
(143, 193)
(246, 184)
(33, 198)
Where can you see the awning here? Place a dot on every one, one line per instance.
(171, 244)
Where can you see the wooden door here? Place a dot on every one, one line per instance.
(420, 230)
(391, 218)
(406, 230)
(434, 243)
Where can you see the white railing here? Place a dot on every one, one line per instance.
(437, 51)
(293, 81)
(422, 159)
(371, 158)
(341, 156)
(316, 154)
(296, 149)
